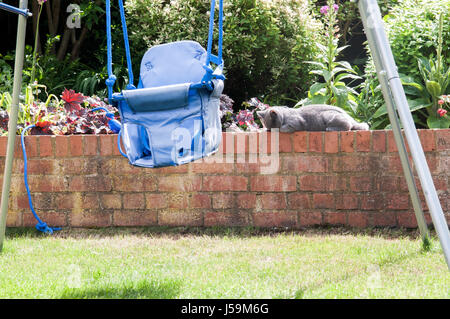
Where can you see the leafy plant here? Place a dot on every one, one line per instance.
(424, 96)
(333, 90)
(265, 42)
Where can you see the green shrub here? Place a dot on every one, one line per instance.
(412, 27)
(265, 42)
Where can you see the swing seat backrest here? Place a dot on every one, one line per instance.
(165, 121)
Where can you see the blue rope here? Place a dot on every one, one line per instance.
(130, 85)
(118, 145)
(111, 77)
(41, 226)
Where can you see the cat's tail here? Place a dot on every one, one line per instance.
(360, 126)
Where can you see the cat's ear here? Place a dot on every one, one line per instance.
(273, 114)
(261, 114)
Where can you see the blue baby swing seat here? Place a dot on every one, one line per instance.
(172, 117)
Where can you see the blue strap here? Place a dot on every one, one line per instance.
(41, 226)
(25, 12)
(111, 77)
(211, 57)
(130, 85)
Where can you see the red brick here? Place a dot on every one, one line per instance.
(323, 201)
(62, 146)
(347, 141)
(201, 167)
(315, 141)
(379, 141)
(361, 183)
(76, 145)
(113, 201)
(334, 218)
(31, 145)
(442, 139)
(427, 140)
(299, 163)
(363, 141)
(14, 219)
(285, 142)
(389, 184)
(179, 183)
(90, 184)
(90, 145)
(299, 201)
(275, 219)
(76, 166)
(107, 143)
(4, 144)
(372, 201)
(46, 183)
(273, 201)
(310, 218)
(331, 142)
(392, 163)
(134, 183)
(181, 169)
(392, 146)
(384, 219)
(228, 219)
(240, 143)
(246, 168)
(180, 218)
(300, 142)
(225, 183)
(134, 201)
(317, 183)
(356, 163)
(45, 145)
(347, 201)
(134, 218)
(88, 218)
(273, 183)
(155, 201)
(52, 219)
(246, 200)
(357, 219)
(90, 201)
(200, 201)
(397, 201)
(177, 200)
(223, 200)
(406, 219)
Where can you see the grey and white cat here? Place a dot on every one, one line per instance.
(315, 117)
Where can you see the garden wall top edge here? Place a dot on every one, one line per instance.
(379, 141)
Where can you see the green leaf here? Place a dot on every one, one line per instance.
(433, 87)
(438, 122)
(320, 99)
(316, 87)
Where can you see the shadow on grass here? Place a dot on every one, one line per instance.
(144, 289)
(242, 232)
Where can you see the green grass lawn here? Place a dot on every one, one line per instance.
(221, 263)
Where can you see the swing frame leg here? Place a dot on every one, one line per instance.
(396, 103)
(12, 126)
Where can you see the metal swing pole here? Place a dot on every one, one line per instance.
(12, 126)
(396, 102)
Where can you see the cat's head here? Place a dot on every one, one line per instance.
(270, 118)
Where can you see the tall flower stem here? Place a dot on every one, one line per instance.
(33, 69)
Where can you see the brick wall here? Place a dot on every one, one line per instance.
(351, 178)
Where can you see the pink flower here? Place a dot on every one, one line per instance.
(440, 102)
(41, 2)
(324, 9)
(441, 112)
(335, 7)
